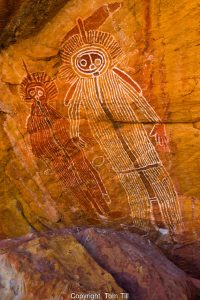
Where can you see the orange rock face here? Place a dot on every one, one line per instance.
(99, 118)
(100, 122)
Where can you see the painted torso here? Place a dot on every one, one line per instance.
(104, 98)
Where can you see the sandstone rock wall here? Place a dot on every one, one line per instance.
(160, 42)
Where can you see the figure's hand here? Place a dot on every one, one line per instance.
(79, 142)
(159, 133)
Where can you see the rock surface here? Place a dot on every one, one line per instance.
(136, 264)
(160, 43)
(161, 56)
(186, 257)
(53, 265)
(22, 18)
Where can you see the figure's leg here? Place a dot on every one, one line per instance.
(122, 163)
(71, 179)
(92, 181)
(156, 175)
(137, 140)
(111, 145)
(166, 195)
(86, 201)
(138, 199)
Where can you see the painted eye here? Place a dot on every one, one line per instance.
(40, 93)
(31, 93)
(83, 62)
(97, 62)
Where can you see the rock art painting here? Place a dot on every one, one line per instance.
(95, 131)
(89, 63)
(106, 93)
(99, 150)
(51, 142)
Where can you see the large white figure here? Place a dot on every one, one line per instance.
(108, 96)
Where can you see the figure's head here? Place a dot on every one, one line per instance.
(38, 87)
(90, 61)
(88, 54)
(36, 92)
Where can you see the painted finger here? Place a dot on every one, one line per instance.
(158, 140)
(165, 141)
(153, 132)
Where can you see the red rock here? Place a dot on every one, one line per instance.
(50, 264)
(186, 257)
(136, 264)
(50, 267)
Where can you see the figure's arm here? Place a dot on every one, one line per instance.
(74, 115)
(70, 93)
(94, 21)
(133, 89)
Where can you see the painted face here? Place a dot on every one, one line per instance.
(36, 92)
(90, 62)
